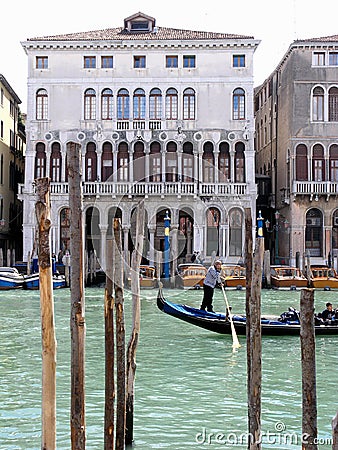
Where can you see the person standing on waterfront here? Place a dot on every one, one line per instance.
(212, 278)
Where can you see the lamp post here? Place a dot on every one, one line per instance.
(166, 246)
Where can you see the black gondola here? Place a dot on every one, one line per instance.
(283, 325)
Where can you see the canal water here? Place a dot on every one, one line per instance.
(190, 386)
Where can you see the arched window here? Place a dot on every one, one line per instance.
(187, 162)
(238, 104)
(55, 162)
(318, 163)
(139, 105)
(239, 163)
(314, 232)
(107, 104)
(107, 161)
(90, 104)
(40, 160)
(224, 163)
(333, 104)
(318, 104)
(208, 162)
(123, 162)
(235, 232)
(189, 104)
(123, 104)
(41, 104)
(139, 162)
(91, 162)
(171, 162)
(333, 163)
(301, 163)
(155, 162)
(171, 102)
(155, 104)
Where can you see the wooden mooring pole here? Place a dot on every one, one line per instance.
(308, 352)
(120, 338)
(77, 316)
(109, 427)
(42, 210)
(254, 335)
(134, 338)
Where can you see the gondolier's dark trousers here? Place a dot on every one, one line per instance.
(208, 293)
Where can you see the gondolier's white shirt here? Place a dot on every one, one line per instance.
(212, 277)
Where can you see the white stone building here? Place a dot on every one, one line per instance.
(159, 113)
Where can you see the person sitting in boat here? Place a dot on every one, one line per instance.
(328, 313)
(212, 278)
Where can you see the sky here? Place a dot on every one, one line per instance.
(275, 24)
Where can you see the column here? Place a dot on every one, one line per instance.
(151, 257)
(173, 252)
(163, 167)
(103, 231)
(223, 241)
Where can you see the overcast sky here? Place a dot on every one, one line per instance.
(275, 24)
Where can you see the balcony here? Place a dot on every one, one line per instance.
(315, 188)
(160, 189)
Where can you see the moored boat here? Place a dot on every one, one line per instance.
(323, 277)
(10, 278)
(191, 275)
(287, 277)
(286, 324)
(233, 276)
(32, 281)
(147, 277)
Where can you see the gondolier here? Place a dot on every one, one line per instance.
(212, 278)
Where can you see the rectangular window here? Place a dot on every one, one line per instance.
(171, 61)
(189, 61)
(89, 62)
(238, 61)
(139, 62)
(333, 59)
(318, 59)
(42, 62)
(106, 62)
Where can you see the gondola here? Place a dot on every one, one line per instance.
(284, 325)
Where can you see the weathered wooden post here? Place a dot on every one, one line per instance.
(133, 341)
(120, 338)
(109, 351)
(77, 317)
(335, 432)
(42, 210)
(254, 335)
(308, 350)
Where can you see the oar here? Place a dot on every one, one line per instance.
(235, 341)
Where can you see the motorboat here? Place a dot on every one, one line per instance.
(191, 275)
(10, 278)
(233, 276)
(323, 277)
(287, 277)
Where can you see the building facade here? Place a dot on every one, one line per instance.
(296, 120)
(12, 152)
(159, 114)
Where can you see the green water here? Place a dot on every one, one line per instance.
(190, 387)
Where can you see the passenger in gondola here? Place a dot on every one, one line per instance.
(212, 278)
(328, 313)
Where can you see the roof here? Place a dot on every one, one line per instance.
(121, 34)
(9, 88)
(324, 39)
